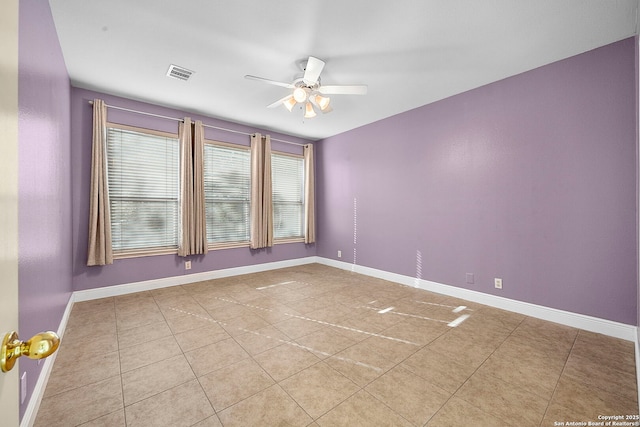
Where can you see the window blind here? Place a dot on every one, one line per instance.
(143, 177)
(287, 173)
(227, 188)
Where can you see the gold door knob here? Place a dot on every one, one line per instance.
(38, 347)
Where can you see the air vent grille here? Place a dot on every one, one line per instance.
(179, 73)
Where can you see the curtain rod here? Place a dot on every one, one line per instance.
(181, 120)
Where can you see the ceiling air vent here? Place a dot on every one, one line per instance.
(179, 73)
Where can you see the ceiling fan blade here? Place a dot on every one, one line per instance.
(312, 71)
(271, 82)
(279, 101)
(343, 90)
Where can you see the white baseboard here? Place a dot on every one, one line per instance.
(580, 321)
(147, 285)
(29, 417)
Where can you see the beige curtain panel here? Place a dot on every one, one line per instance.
(186, 231)
(99, 250)
(200, 245)
(309, 195)
(193, 233)
(261, 198)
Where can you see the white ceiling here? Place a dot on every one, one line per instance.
(409, 52)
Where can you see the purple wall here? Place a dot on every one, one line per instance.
(154, 267)
(530, 179)
(44, 183)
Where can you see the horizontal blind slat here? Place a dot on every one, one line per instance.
(227, 193)
(143, 177)
(288, 196)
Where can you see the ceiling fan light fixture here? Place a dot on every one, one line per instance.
(290, 103)
(322, 101)
(309, 111)
(299, 94)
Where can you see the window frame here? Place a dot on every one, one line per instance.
(283, 240)
(239, 244)
(135, 253)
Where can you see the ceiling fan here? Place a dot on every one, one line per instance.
(308, 91)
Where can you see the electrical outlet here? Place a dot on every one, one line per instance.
(498, 283)
(187, 265)
(339, 254)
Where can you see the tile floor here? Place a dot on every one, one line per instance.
(314, 346)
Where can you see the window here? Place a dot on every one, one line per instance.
(287, 172)
(143, 177)
(227, 187)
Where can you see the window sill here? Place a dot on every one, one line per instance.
(228, 245)
(143, 253)
(289, 240)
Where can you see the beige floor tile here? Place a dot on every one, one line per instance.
(70, 373)
(419, 331)
(149, 380)
(212, 421)
(246, 323)
(319, 388)
(93, 306)
(377, 322)
(234, 383)
(360, 363)
(418, 400)
(186, 322)
(526, 366)
(270, 407)
(546, 335)
(81, 404)
(318, 334)
(589, 402)
(558, 415)
(256, 342)
(196, 338)
(508, 402)
(135, 318)
(81, 332)
(307, 305)
(362, 409)
(483, 330)
(215, 356)
(114, 419)
(74, 346)
(463, 348)
(148, 353)
(594, 374)
(456, 412)
(183, 405)
(601, 349)
(391, 347)
(285, 360)
(331, 313)
(228, 310)
(82, 317)
(134, 298)
(325, 342)
(438, 369)
(296, 327)
(176, 307)
(143, 334)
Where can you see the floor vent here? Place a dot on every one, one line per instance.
(179, 73)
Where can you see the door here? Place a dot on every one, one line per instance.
(9, 405)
